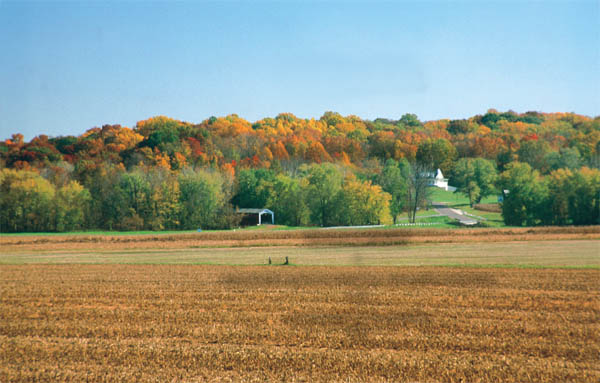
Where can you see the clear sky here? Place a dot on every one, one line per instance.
(69, 66)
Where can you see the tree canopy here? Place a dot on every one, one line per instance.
(169, 174)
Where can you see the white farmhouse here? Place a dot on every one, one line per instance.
(439, 181)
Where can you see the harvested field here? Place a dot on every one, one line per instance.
(312, 237)
(166, 323)
(565, 253)
(490, 207)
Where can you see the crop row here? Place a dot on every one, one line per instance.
(196, 323)
(311, 237)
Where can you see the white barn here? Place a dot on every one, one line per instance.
(260, 213)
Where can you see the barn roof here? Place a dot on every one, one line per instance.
(254, 211)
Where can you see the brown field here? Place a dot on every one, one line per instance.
(174, 323)
(489, 207)
(311, 237)
(564, 253)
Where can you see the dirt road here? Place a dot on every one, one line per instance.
(455, 214)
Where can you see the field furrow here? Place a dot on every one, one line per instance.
(119, 323)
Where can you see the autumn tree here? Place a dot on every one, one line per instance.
(317, 153)
(108, 162)
(26, 202)
(383, 145)
(361, 203)
(164, 205)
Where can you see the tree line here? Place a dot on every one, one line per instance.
(317, 195)
(160, 199)
(167, 174)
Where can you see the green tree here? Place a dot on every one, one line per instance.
(460, 126)
(287, 199)
(526, 198)
(392, 181)
(324, 182)
(26, 202)
(105, 206)
(437, 153)
(475, 178)
(201, 198)
(249, 193)
(162, 133)
(566, 158)
(534, 153)
(10, 212)
(72, 206)
(560, 192)
(574, 196)
(409, 120)
(134, 201)
(418, 191)
(584, 204)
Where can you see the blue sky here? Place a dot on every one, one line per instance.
(69, 66)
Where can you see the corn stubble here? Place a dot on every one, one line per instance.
(310, 237)
(117, 323)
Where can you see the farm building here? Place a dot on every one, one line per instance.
(439, 181)
(254, 216)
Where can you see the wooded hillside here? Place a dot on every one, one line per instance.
(169, 174)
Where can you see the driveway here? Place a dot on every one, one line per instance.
(455, 214)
